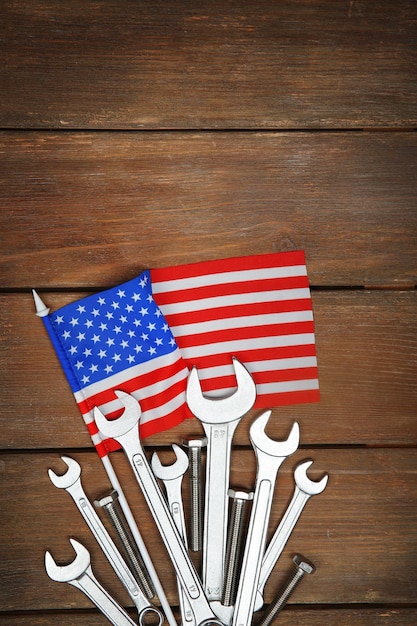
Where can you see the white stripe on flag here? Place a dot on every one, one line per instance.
(223, 278)
(248, 321)
(288, 386)
(233, 346)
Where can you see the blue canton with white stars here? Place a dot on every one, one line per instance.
(109, 332)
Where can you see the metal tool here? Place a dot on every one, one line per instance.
(71, 482)
(110, 504)
(171, 476)
(196, 501)
(126, 432)
(80, 575)
(304, 489)
(270, 455)
(239, 500)
(219, 417)
(302, 567)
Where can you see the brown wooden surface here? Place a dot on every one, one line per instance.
(145, 134)
(89, 209)
(110, 64)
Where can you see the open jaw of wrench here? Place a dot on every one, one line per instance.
(219, 418)
(71, 482)
(304, 490)
(80, 575)
(270, 455)
(126, 432)
(171, 476)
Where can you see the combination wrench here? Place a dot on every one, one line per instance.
(219, 418)
(80, 575)
(270, 455)
(304, 489)
(171, 476)
(125, 430)
(71, 482)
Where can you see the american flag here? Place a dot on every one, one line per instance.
(256, 308)
(119, 339)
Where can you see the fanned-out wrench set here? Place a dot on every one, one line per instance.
(236, 562)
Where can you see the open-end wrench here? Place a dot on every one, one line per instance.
(304, 489)
(270, 455)
(171, 476)
(80, 575)
(71, 482)
(126, 432)
(219, 417)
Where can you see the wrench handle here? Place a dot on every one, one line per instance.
(219, 444)
(174, 498)
(281, 536)
(166, 525)
(108, 546)
(90, 586)
(255, 545)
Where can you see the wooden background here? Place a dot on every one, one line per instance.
(142, 134)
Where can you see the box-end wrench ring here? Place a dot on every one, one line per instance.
(80, 575)
(125, 430)
(71, 482)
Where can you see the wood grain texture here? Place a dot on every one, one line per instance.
(357, 523)
(367, 356)
(290, 616)
(107, 64)
(92, 210)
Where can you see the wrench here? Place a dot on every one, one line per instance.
(304, 489)
(270, 455)
(171, 476)
(126, 432)
(71, 482)
(80, 575)
(219, 417)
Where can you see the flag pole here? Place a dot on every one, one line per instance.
(42, 311)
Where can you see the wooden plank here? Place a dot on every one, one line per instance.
(107, 64)
(87, 210)
(356, 532)
(290, 616)
(366, 345)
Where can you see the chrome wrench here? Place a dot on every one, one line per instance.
(270, 455)
(304, 489)
(126, 432)
(171, 476)
(219, 417)
(80, 575)
(71, 482)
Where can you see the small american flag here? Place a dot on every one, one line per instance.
(145, 335)
(119, 339)
(257, 308)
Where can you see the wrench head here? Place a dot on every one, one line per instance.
(310, 487)
(71, 475)
(72, 571)
(123, 424)
(225, 409)
(261, 441)
(173, 471)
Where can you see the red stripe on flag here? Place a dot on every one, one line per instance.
(227, 289)
(260, 261)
